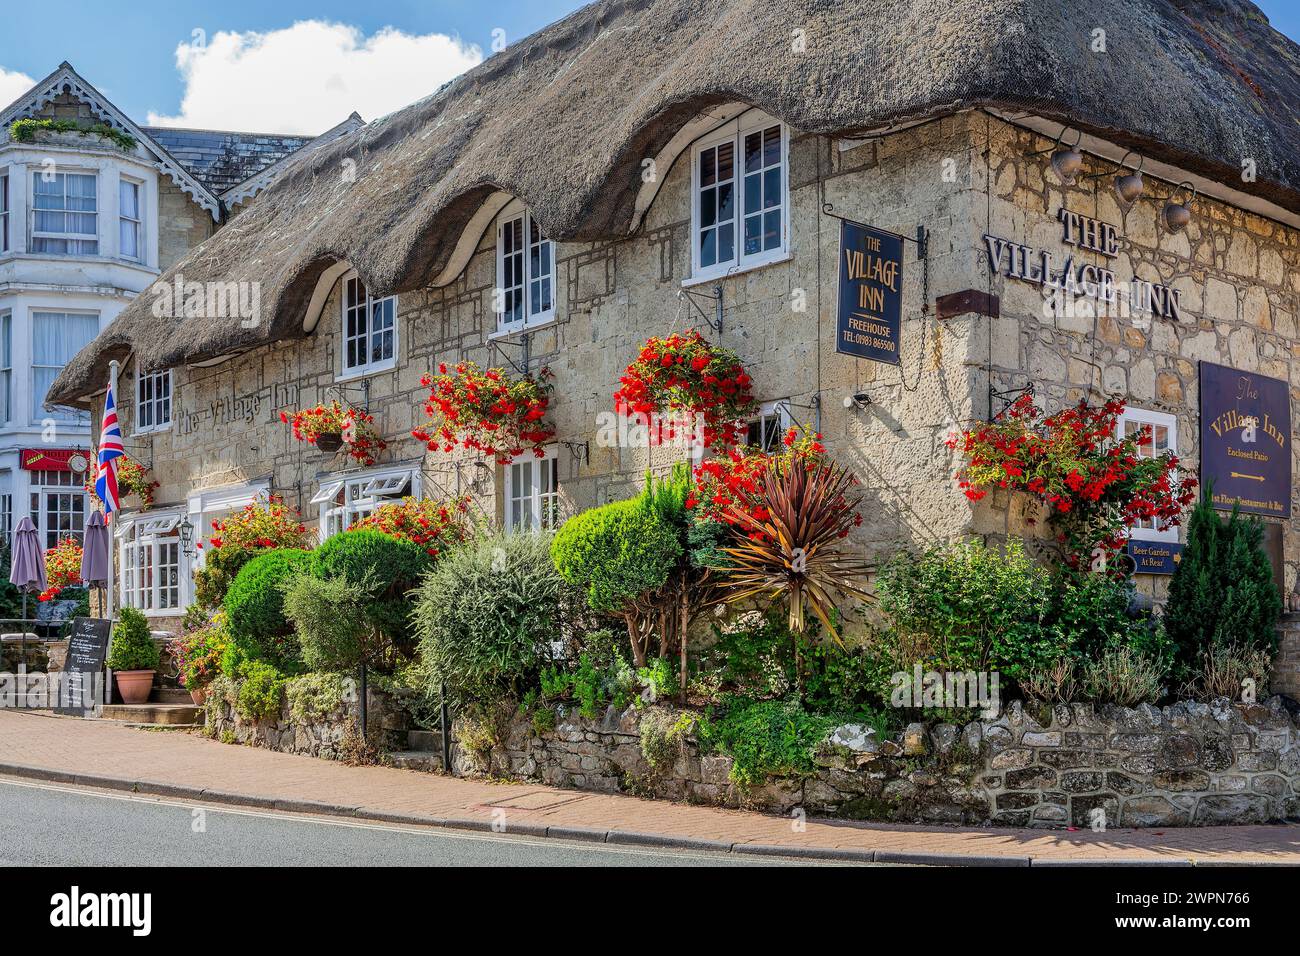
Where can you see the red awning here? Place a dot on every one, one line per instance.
(49, 459)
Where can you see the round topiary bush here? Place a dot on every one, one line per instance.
(133, 647)
(254, 607)
(487, 613)
(386, 567)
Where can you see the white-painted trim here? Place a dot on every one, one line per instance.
(319, 296)
(1170, 423)
(471, 236)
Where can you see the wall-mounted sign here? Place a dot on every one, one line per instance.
(51, 459)
(869, 316)
(1155, 557)
(1083, 279)
(1246, 440)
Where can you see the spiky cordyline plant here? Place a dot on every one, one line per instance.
(788, 541)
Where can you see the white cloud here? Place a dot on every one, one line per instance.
(13, 85)
(310, 76)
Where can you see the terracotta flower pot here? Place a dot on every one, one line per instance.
(134, 686)
(329, 441)
(198, 695)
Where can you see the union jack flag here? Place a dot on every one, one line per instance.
(110, 449)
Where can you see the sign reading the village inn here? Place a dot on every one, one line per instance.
(1084, 280)
(869, 317)
(1246, 440)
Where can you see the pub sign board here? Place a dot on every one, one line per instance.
(1155, 557)
(87, 649)
(1246, 440)
(870, 306)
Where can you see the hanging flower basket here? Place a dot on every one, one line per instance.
(330, 427)
(133, 478)
(486, 411)
(685, 374)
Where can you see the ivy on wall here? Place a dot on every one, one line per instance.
(25, 130)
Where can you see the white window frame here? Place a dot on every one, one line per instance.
(95, 237)
(1143, 416)
(6, 365)
(143, 541)
(778, 411)
(4, 211)
(70, 488)
(366, 309)
(158, 403)
(536, 500)
(137, 223)
(38, 410)
(529, 278)
(734, 132)
(361, 493)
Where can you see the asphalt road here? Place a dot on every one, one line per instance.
(57, 825)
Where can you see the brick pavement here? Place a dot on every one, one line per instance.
(157, 761)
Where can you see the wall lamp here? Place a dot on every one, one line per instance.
(1177, 215)
(1066, 160)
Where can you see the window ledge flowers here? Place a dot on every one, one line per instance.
(685, 373)
(353, 426)
(1097, 486)
(486, 411)
(133, 478)
(433, 525)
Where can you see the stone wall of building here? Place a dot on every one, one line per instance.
(960, 177)
(1187, 764)
(182, 223)
(1238, 275)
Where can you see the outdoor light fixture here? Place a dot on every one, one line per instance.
(1177, 215)
(1066, 160)
(1129, 187)
(857, 400)
(187, 537)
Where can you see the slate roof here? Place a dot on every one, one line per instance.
(220, 159)
(563, 119)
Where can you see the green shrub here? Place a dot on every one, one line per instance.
(969, 608)
(661, 734)
(1122, 675)
(486, 615)
(388, 568)
(1222, 592)
(660, 676)
(620, 555)
(329, 618)
(769, 738)
(260, 691)
(594, 683)
(254, 607)
(133, 647)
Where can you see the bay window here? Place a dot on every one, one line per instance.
(151, 556)
(525, 274)
(369, 330)
(4, 212)
(346, 499)
(1158, 433)
(56, 338)
(739, 214)
(533, 493)
(65, 214)
(58, 506)
(129, 220)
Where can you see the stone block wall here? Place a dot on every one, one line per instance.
(1188, 764)
(387, 724)
(1285, 678)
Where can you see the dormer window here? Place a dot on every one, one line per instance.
(525, 290)
(739, 215)
(65, 214)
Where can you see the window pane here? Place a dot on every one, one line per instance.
(708, 167)
(772, 187)
(726, 243)
(726, 159)
(772, 230)
(709, 247)
(753, 152)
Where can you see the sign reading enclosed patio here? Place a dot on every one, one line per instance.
(1245, 440)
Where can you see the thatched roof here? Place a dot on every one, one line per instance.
(564, 118)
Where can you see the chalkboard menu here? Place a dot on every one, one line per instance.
(87, 648)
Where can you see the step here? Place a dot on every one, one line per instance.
(415, 760)
(153, 713)
(426, 740)
(173, 695)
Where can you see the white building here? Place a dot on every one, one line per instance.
(93, 207)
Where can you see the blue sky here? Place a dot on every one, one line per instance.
(128, 48)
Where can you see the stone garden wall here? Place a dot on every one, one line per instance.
(329, 735)
(1184, 765)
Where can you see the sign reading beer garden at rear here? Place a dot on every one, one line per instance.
(869, 317)
(1246, 440)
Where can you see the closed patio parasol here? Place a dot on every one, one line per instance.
(95, 551)
(27, 568)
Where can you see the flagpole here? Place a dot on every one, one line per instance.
(111, 513)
